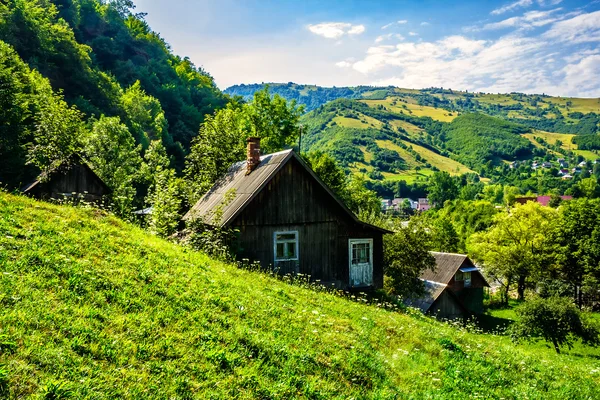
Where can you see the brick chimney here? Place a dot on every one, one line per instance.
(253, 154)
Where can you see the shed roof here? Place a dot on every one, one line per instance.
(61, 167)
(230, 195)
(433, 290)
(447, 264)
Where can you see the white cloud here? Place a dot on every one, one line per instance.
(356, 30)
(413, 34)
(424, 23)
(400, 22)
(335, 30)
(581, 79)
(523, 3)
(579, 29)
(388, 36)
(512, 6)
(507, 64)
(343, 64)
(565, 60)
(531, 19)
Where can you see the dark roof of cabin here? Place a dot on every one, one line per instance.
(61, 167)
(236, 189)
(446, 266)
(433, 290)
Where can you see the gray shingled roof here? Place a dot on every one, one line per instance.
(433, 290)
(236, 189)
(446, 265)
(241, 187)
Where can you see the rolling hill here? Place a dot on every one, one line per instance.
(393, 134)
(93, 307)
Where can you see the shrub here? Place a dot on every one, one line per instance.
(555, 320)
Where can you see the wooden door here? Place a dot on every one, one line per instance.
(360, 256)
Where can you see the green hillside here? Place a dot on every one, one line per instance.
(389, 135)
(92, 59)
(95, 308)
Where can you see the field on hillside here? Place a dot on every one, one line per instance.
(409, 106)
(552, 138)
(93, 307)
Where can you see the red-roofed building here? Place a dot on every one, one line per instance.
(543, 200)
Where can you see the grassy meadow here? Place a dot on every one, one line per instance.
(93, 307)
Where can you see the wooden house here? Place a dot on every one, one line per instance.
(71, 178)
(289, 220)
(439, 300)
(454, 288)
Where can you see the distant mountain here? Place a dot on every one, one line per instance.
(310, 96)
(391, 134)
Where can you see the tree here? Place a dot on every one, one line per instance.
(471, 191)
(222, 137)
(329, 171)
(145, 116)
(516, 246)
(273, 119)
(17, 84)
(166, 199)
(112, 154)
(220, 143)
(361, 200)
(555, 320)
(405, 256)
(442, 187)
(589, 187)
(57, 134)
(576, 243)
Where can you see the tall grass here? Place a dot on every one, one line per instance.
(92, 307)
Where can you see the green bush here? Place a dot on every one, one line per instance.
(555, 320)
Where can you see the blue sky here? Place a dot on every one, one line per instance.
(533, 46)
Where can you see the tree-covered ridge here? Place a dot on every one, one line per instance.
(553, 114)
(93, 51)
(479, 139)
(398, 144)
(311, 96)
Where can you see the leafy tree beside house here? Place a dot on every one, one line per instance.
(222, 137)
(516, 247)
(406, 255)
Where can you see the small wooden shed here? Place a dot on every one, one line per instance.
(440, 301)
(71, 178)
(453, 289)
(289, 220)
(460, 274)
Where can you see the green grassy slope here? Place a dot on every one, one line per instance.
(92, 305)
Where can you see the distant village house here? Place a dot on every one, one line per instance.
(543, 200)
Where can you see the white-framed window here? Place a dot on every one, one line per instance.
(285, 245)
(463, 276)
(360, 254)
